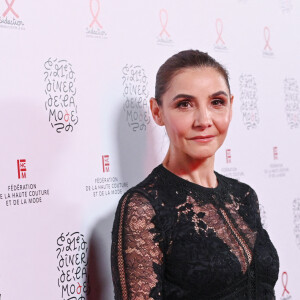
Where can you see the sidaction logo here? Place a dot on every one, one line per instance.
(286, 295)
(267, 51)
(95, 28)
(220, 43)
(10, 18)
(164, 37)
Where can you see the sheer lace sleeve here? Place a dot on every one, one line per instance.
(253, 209)
(136, 258)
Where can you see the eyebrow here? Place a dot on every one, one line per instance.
(218, 94)
(183, 96)
(179, 96)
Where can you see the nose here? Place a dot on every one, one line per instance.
(202, 118)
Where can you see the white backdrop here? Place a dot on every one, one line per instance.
(76, 132)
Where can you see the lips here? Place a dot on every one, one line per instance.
(203, 138)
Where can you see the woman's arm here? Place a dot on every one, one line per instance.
(135, 256)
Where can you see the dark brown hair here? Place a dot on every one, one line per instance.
(182, 60)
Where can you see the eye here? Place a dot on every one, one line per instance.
(184, 104)
(217, 102)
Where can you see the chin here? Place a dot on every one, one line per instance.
(202, 155)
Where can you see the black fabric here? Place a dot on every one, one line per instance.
(173, 239)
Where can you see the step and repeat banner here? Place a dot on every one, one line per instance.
(76, 130)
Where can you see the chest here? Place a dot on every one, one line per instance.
(211, 249)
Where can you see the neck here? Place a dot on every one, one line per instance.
(199, 171)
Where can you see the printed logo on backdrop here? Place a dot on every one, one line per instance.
(72, 265)
(135, 93)
(286, 6)
(296, 213)
(220, 43)
(95, 28)
(267, 51)
(249, 99)
(275, 153)
(105, 163)
(9, 17)
(230, 170)
(292, 102)
(286, 293)
(60, 95)
(228, 156)
(276, 169)
(21, 168)
(164, 37)
(22, 194)
(106, 184)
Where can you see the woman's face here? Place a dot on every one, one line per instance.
(196, 111)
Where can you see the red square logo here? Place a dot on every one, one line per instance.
(275, 153)
(228, 156)
(105, 163)
(21, 168)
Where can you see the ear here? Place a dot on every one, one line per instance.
(231, 102)
(156, 111)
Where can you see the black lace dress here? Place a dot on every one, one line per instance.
(173, 239)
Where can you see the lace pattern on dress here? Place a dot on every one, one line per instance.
(157, 237)
(222, 226)
(137, 251)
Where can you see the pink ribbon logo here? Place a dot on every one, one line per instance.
(95, 15)
(267, 38)
(219, 28)
(284, 282)
(163, 16)
(9, 8)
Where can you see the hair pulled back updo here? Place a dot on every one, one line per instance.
(182, 60)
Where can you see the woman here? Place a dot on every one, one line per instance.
(187, 232)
